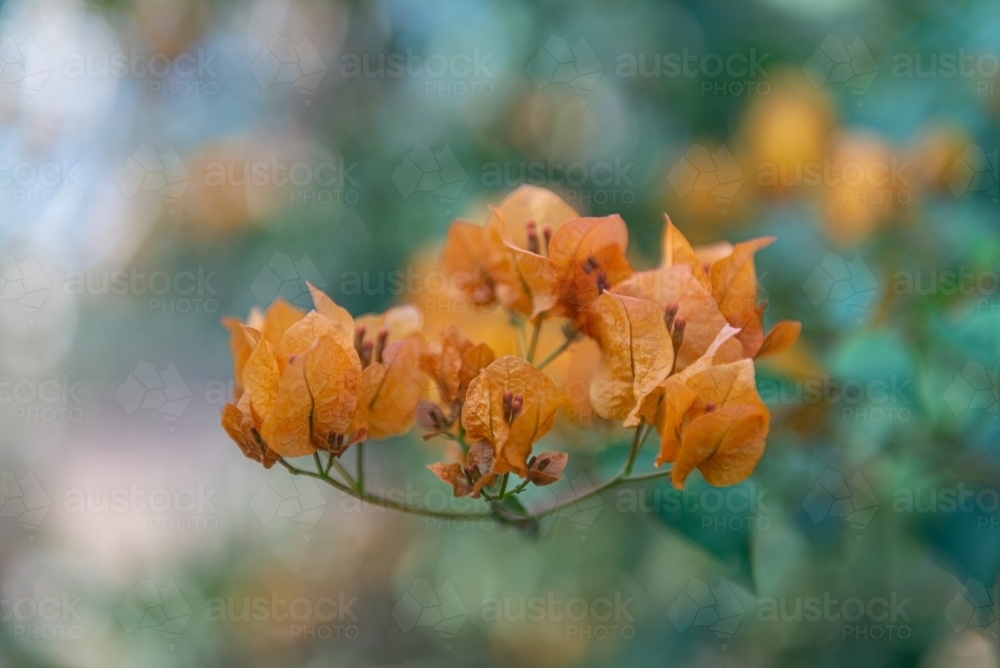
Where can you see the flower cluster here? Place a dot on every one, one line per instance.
(675, 349)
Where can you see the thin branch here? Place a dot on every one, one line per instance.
(343, 472)
(637, 441)
(495, 511)
(555, 353)
(361, 468)
(533, 346)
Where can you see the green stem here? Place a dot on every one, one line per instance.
(383, 502)
(555, 353)
(533, 346)
(610, 484)
(361, 468)
(343, 472)
(352, 489)
(637, 442)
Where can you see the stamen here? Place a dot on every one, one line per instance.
(366, 354)
(710, 407)
(383, 335)
(359, 338)
(677, 336)
(669, 315)
(515, 406)
(602, 282)
(508, 401)
(547, 234)
(532, 236)
(590, 264)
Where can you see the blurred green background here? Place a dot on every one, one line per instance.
(167, 162)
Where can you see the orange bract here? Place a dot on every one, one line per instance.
(301, 384)
(502, 261)
(670, 348)
(637, 354)
(487, 414)
(710, 417)
(589, 257)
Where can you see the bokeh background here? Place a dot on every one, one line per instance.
(167, 162)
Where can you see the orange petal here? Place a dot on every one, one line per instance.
(442, 361)
(400, 322)
(781, 338)
(466, 259)
(453, 475)
(483, 418)
(532, 203)
(336, 315)
(474, 361)
(238, 428)
(333, 374)
(280, 316)
(524, 282)
(677, 252)
(287, 429)
(725, 444)
(548, 468)
(695, 304)
(392, 408)
(583, 241)
(260, 378)
(637, 354)
(299, 337)
(734, 287)
(241, 344)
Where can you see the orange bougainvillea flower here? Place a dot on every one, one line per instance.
(727, 272)
(676, 288)
(734, 287)
(312, 381)
(711, 418)
(503, 261)
(589, 258)
(637, 354)
(468, 477)
(451, 361)
(511, 405)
